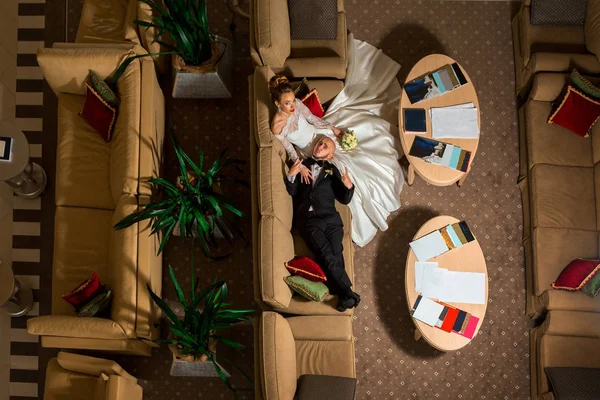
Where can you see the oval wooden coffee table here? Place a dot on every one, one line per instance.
(431, 173)
(466, 258)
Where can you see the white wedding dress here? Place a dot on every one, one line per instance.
(368, 105)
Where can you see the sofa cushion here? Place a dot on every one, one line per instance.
(553, 144)
(554, 249)
(109, 19)
(572, 383)
(558, 12)
(123, 263)
(302, 48)
(592, 26)
(276, 248)
(82, 159)
(572, 323)
(325, 357)
(272, 24)
(313, 19)
(563, 197)
(273, 198)
(81, 247)
(278, 357)
(556, 39)
(62, 384)
(264, 107)
(321, 327)
(125, 143)
(573, 301)
(328, 88)
(565, 351)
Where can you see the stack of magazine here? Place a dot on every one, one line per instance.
(433, 84)
(440, 153)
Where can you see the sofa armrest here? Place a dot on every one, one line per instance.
(119, 388)
(321, 328)
(92, 365)
(71, 326)
(571, 323)
(316, 67)
(548, 86)
(563, 62)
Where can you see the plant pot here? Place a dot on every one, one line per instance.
(201, 82)
(187, 365)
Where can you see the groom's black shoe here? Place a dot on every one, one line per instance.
(349, 301)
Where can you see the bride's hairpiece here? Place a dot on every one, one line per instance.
(278, 85)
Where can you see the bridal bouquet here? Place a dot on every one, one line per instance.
(349, 140)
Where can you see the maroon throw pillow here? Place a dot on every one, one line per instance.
(306, 268)
(98, 113)
(312, 102)
(577, 274)
(576, 112)
(84, 291)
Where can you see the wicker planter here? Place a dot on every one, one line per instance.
(187, 365)
(211, 80)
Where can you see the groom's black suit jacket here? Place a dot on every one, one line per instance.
(322, 195)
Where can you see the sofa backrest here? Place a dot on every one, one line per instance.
(591, 26)
(272, 31)
(278, 362)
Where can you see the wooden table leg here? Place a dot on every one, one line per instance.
(418, 335)
(411, 175)
(462, 180)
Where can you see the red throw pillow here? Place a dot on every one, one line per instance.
(576, 112)
(577, 274)
(98, 113)
(82, 293)
(311, 100)
(306, 268)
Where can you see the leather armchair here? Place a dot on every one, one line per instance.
(77, 377)
(271, 43)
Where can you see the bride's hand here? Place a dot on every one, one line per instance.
(337, 132)
(306, 175)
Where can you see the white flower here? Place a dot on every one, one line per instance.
(349, 140)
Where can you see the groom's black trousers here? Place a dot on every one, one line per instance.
(325, 241)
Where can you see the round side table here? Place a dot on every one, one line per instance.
(15, 298)
(27, 178)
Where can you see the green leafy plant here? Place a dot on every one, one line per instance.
(186, 23)
(205, 314)
(194, 204)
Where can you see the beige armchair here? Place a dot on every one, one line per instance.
(271, 43)
(547, 48)
(77, 377)
(308, 345)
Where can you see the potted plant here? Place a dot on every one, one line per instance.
(202, 62)
(193, 337)
(194, 206)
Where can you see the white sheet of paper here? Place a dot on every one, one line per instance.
(434, 285)
(429, 246)
(454, 123)
(420, 267)
(464, 287)
(428, 311)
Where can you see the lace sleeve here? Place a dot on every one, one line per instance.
(310, 117)
(287, 145)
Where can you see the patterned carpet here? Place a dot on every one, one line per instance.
(390, 364)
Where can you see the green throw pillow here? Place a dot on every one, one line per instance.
(96, 306)
(315, 291)
(102, 88)
(592, 287)
(302, 89)
(584, 85)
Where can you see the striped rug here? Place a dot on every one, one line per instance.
(33, 225)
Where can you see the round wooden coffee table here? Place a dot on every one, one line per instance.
(466, 258)
(431, 173)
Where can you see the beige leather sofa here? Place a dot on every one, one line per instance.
(295, 346)
(543, 48)
(271, 43)
(565, 339)
(111, 21)
(77, 377)
(97, 184)
(274, 240)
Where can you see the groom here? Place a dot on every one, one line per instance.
(317, 219)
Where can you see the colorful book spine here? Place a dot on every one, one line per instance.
(438, 82)
(455, 156)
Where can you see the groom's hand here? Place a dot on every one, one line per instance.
(346, 179)
(295, 168)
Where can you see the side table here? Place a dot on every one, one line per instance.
(27, 178)
(15, 298)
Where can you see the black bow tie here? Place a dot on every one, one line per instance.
(320, 163)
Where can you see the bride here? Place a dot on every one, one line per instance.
(367, 105)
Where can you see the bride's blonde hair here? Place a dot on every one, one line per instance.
(278, 85)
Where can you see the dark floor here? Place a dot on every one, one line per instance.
(389, 363)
